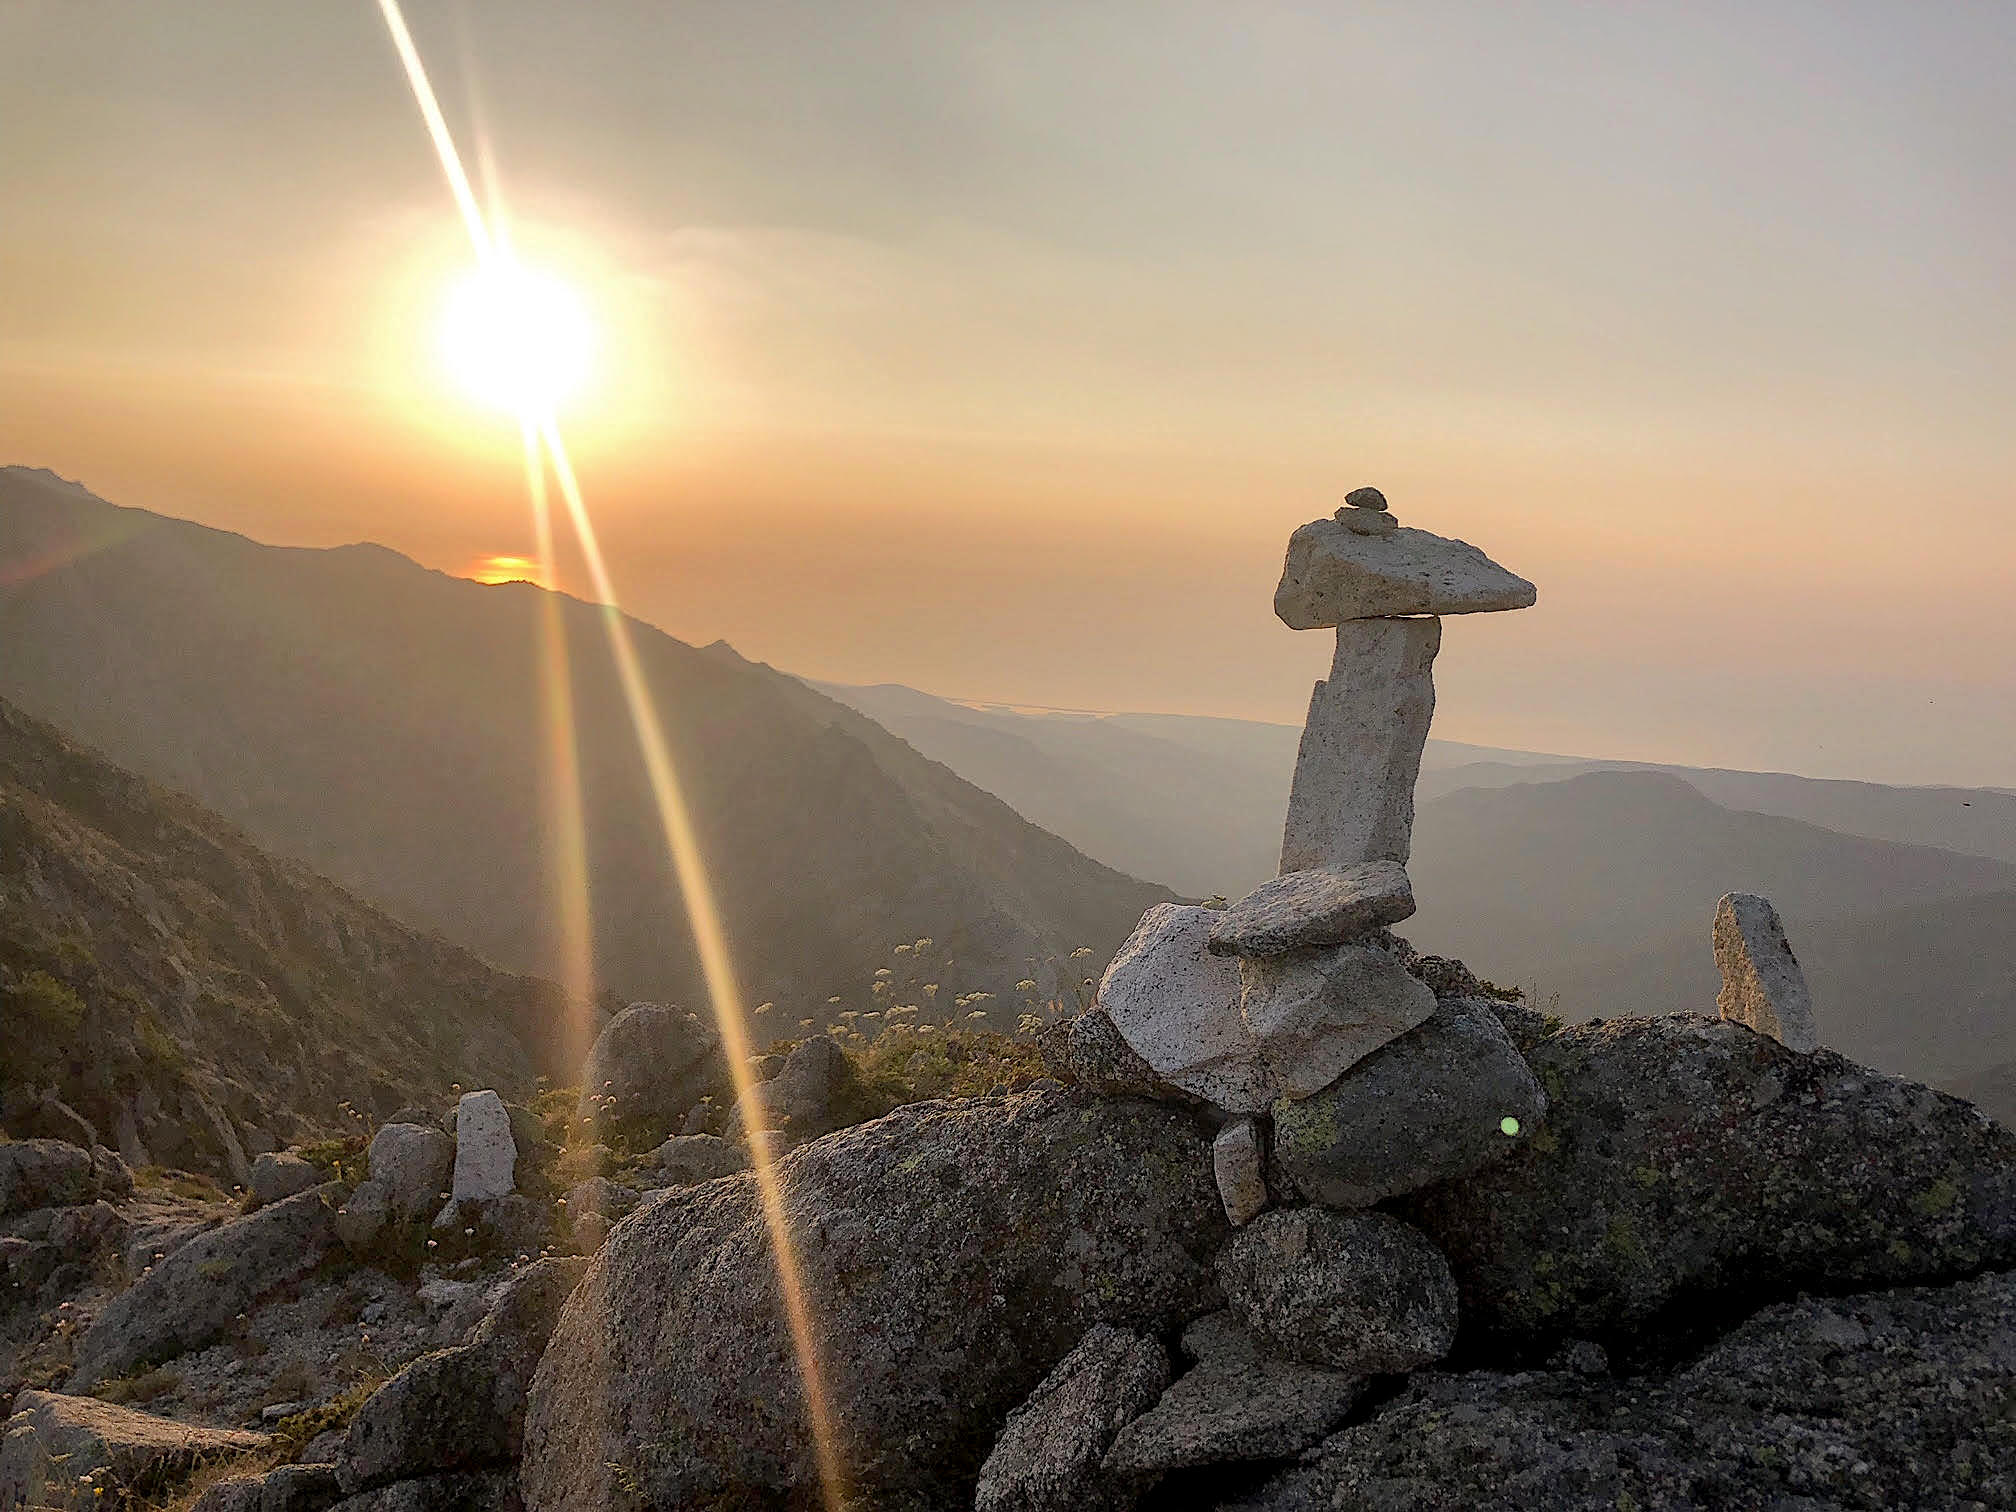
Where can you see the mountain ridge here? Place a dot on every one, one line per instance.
(381, 721)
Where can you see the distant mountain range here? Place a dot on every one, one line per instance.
(195, 999)
(1198, 802)
(1590, 882)
(1532, 880)
(383, 723)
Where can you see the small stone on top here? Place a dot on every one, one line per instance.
(1365, 498)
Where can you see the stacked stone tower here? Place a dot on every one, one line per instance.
(1272, 1001)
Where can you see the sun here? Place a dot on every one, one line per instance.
(517, 338)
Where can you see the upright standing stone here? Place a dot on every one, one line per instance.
(1762, 985)
(1237, 1162)
(1353, 798)
(485, 1153)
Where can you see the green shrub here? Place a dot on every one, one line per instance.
(905, 1065)
(342, 1159)
(38, 1003)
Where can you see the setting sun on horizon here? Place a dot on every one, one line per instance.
(517, 338)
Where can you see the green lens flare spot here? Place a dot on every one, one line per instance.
(1508, 1126)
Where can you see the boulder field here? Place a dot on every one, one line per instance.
(1707, 1270)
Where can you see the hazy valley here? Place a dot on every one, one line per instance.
(1587, 882)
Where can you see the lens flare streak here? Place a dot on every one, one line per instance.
(689, 864)
(566, 832)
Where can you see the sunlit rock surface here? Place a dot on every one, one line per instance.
(952, 1254)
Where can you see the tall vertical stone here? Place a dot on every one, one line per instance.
(485, 1152)
(1353, 798)
(1762, 983)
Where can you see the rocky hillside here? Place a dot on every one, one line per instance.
(1700, 1269)
(194, 1000)
(383, 723)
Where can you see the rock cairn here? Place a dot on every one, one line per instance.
(1278, 1000)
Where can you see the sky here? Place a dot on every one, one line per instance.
(997, 348)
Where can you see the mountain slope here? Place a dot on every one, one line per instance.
(1970, 821)
(1527, 881)
(183, 990)
(1152, 797)
(383, 723)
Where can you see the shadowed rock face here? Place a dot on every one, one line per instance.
(191, 1297)
(951, 1253)
(1895, 1399)
(1691, 1170)
(1360, 1293)
(461, 1409)
(648, 1067)
(1050, 1453)
(1430, 1106)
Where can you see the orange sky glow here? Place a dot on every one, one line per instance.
(997, 351)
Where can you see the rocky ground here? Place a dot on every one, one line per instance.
(1708, 1271)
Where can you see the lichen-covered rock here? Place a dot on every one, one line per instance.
(190, 1298)
(951, 1254)
(57, 1451)
(1362, 1293)
(36, 1173)
(1048, 1458)
(1884, 1400)
(460, 1409)
(1094, 1054)
(413, 1163)
(484, 1491)
(689, 1159)
(1692, 1170)
(1239, 1403)
(278, 1176)
(1429, 1106)
(804, 1098)
(647, 1068)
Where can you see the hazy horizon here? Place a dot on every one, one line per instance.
(996, 353)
